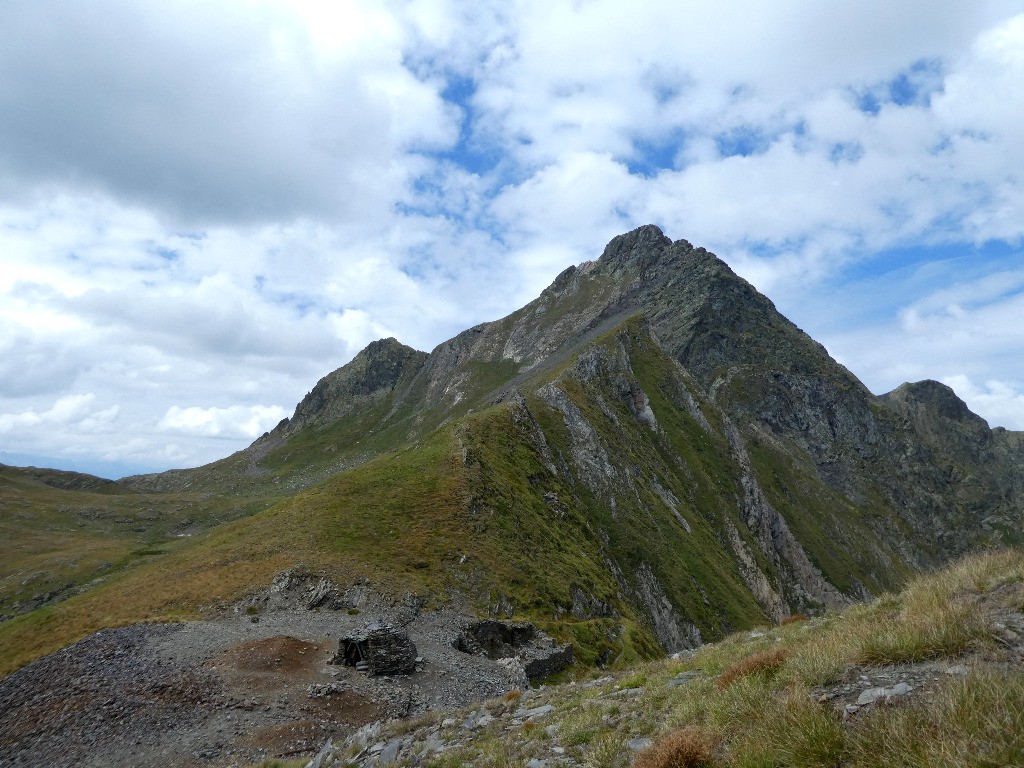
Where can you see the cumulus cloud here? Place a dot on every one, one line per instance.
(211, 112)
(965, 333)
(75, 412)
(748, 145)
(246, 422)
(215, 204)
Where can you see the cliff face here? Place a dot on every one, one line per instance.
(650, 441)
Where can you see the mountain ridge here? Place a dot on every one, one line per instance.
(645, 456)
(744, 353)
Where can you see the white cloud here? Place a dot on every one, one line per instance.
(231, 422)
(218, 203)
(70, 412)
(966, 331)
(213, 112)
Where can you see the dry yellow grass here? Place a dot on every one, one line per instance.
(764, 661)
(335, 529)
(795, 618)
(688, 747)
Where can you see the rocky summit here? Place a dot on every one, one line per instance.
(645, 458)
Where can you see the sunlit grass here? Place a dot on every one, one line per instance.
(977, 720)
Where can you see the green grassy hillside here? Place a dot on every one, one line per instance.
(61, 531)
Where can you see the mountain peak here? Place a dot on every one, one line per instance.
(937, 398)
(638, 247)
(374, 371)
(384, 347)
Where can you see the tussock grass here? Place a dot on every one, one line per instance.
(932, 618)
(498, 754)
(689, 747)
(424, 720)
(944, 631)
(819, 663)
(791, 729)
(582, 725)
(763, 662)
(606, 751)
(716, 658)
(722, 712)
(982, 573)
(937, 615)
(974, 721)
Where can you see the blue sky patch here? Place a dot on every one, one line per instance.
(868, 103)
(650, 156)
(913, 86)
(167, 254)
(471, 152)
(743, 142)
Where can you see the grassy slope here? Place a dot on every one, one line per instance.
(54, 540)
(836, 533)
(369, 521)
(697, 572)
(756, 698)
(693, 568)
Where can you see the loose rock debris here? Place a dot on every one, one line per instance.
(230, 692)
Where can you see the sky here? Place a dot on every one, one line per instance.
(207, 206)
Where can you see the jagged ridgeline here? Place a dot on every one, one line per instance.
(645, 457)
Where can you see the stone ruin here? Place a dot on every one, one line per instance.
(378, 650)
(537, 653)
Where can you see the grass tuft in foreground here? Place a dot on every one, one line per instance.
(688, 747)
(763, 662)
(973, 721)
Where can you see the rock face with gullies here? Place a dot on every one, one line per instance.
(693, 461)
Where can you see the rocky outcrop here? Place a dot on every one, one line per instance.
(516, 643)
(379, 650)
(672, 631)
(809, 588)
(372, 374)
(588, 454)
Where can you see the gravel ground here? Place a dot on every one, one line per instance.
(227, 692)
